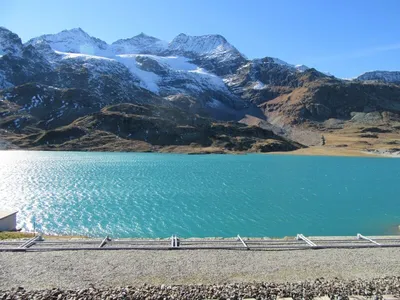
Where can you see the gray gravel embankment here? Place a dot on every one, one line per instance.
(383, 288)
(84, 269)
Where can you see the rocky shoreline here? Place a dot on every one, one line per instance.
(334, 289)
(395, 152)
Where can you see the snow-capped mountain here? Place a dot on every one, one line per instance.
(75, 41)
(140, 44)
(212, 52)
(210, 45)
(383, 76)
(153, 64)
(55, 79)
(206, 67)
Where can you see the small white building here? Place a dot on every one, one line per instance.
(8, 220)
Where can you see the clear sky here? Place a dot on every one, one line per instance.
(343, 37)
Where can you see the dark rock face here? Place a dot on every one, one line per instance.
(10, 43)
(29, 67)
(262, 80)
(50, 107)
(151, 65)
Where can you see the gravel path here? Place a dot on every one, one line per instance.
(83, 269)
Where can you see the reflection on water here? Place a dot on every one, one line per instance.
(156, 195)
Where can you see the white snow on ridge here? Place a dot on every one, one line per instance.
(182, 64)
(149, 80)
(178, 63)
(178, 67)
(259, 85)
(69, 55)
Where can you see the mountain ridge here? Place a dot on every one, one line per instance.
(179, 37)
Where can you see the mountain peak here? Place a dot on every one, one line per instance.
(142, 35)
(77, 30)
(10, 43)
(139, 44)
(200, 45)
(74, 40)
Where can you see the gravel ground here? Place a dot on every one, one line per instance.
(101, 269)
(383, 288)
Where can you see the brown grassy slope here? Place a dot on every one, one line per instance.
(130, 127)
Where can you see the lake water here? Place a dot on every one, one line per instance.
(157, 195)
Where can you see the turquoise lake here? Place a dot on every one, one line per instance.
(157, 195)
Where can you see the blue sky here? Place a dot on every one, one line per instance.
(343, 37)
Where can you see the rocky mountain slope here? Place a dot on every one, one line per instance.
(73, 85)
(381, 76)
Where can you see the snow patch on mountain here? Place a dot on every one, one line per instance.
(181, 64)
(148, 80)
(259, 85)
(175, 69)
(97, 64)
(68, 55)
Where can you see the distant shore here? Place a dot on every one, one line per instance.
(309, 151)
(335, 151)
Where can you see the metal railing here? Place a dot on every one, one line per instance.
(300, 242)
